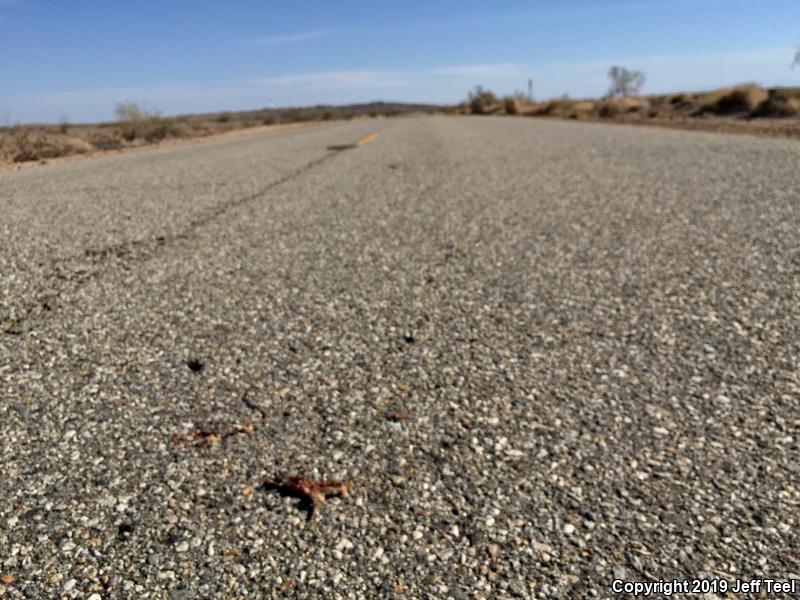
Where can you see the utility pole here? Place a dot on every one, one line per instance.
(530, 91)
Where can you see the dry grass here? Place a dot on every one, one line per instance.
(742, 99)
(20, 144)
(781, 103)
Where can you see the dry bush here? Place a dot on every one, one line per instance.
(510, 105)
(22, 145)
(138, 123)
(681, 98)
(682, 102)
(158, 129)
(149, 130)
(728, 101)
(781, 103)
(482, 101)
(292, 116)
(555, 108)
(585, 106)
(106, 141)
(614, 107)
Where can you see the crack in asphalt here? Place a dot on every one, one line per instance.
(134, 251)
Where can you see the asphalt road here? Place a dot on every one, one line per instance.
(547, 355)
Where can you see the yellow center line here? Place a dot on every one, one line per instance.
(367, 139)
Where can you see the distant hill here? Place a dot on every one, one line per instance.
(320, 112)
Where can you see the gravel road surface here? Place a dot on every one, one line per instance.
(548, 355)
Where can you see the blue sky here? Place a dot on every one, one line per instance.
(75, 59)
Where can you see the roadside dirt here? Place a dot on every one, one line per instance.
(6, 165)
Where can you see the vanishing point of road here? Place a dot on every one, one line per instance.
(547, 354)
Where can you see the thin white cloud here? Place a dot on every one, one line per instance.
(338, 79)
(486, 70)
(287, 38)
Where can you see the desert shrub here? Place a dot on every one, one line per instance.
(293, 116)
(130, 111)
(780, 103)
(481, 101)
(103, 141)
(63, 125)
(555, 108)
(584, 106)
(157, 129)
(129, 131)
(510, 105)
(269, 121)
(23, 147)
(679, 102)
(741, 99)
(563, 109)
(614, 107)
(610, 110)
(328, 115)
(138, 123)
(224, 117)
(26, 146)
(681, 98)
